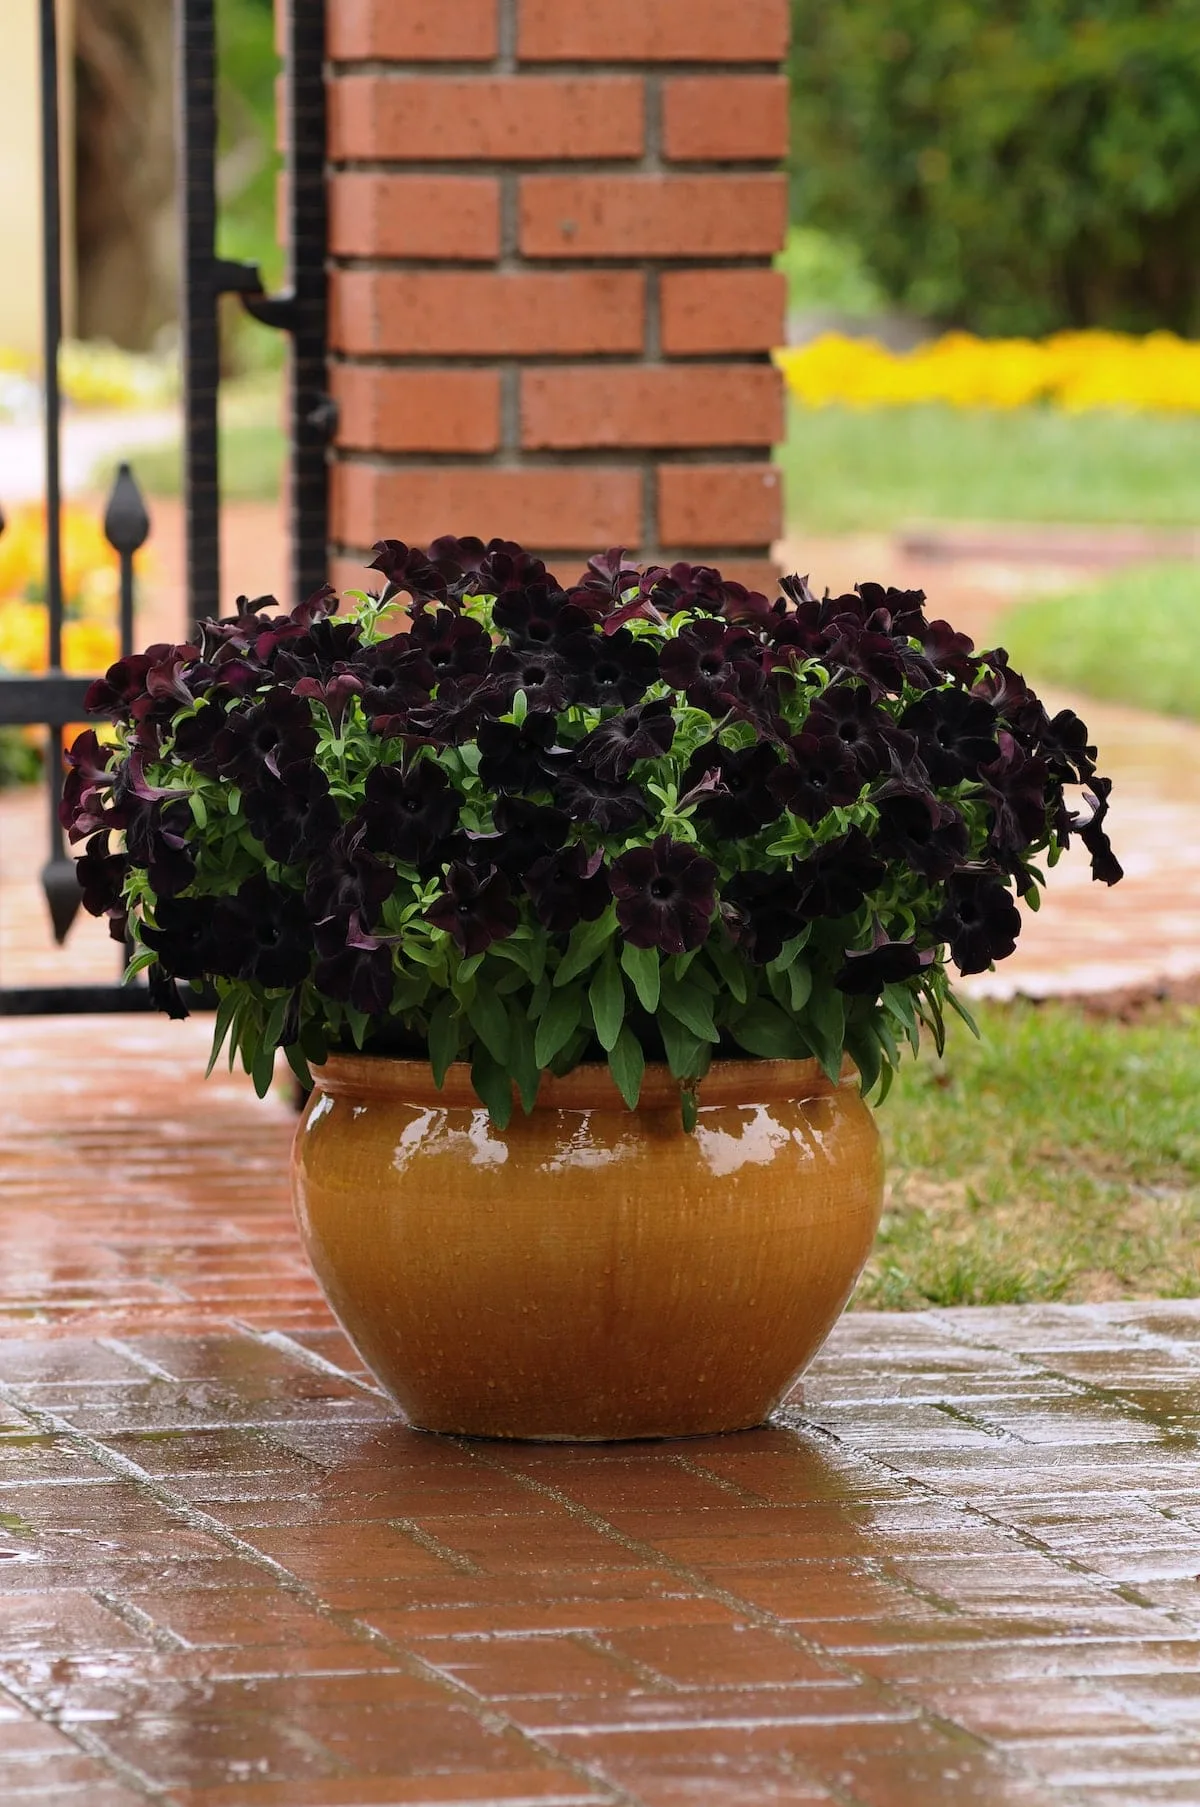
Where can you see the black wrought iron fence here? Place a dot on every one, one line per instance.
(56, 697)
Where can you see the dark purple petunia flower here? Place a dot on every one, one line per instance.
(608, 577)
(613, 748)
(101, 875)
(609, 670)
(854, 650)
(476, 908)
(956, 734)
(763, 910)
(821, 775)
(195, 738)
(744, 800)
(867, 732)
(525, 832)
(914, 826)
(267, 932)
(348, 879)
(609, 808)
(866, 971)
(318, 652)
(186, 941)
(714, 665)
(408, 813)
(1063, 744)
(514, 758)
(276, 732)
(156, 841)
(448, 645)
(567, 887)
(294, 815)
(836, 879)
(393, 675)
(665, 895)
(360, 976)
(121, 685)
(1015, 788)
(979, 919)
(1105, 865)
(87, 787)
(536, 670)
(540, 616)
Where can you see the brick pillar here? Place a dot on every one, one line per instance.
(552, 303)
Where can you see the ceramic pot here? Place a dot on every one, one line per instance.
(590, 1272)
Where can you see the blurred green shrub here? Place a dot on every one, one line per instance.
(826, 274)
(1011, 165)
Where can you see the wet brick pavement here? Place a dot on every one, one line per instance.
(961, 1570)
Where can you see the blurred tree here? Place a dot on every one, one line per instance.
(126, 213)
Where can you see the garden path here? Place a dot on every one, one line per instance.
(959, 1570)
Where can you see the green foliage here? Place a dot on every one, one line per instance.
(248, 163)
(1013, 168)
(827, 274)
(1130, 639)
(849, 468)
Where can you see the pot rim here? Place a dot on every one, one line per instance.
(587, 1087)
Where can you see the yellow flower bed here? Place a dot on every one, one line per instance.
(90, 592)
(1071, 370)
(94, 375)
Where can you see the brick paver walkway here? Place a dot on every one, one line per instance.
(960, 1571)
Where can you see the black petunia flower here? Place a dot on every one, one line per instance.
(394, 676)
(1015, 787)
(866, 971)
(536, 670)
(85, 806)
(348, 879)
(821, 775)
(361, 975)
(866, 732)
(539, 616)
(914, 826)
(764, 910)
(294, 815)
(609, 670)
(665, 895)
(979, 919)
(195, 738)
(476, 908)
(156, 840)
(525, 832)
(185, 939)
(956, 734)
(101, 875)
(613, 748)
(1064, 745)
(1105, 865)
(714, 665)
(267, 933)
(836, 879)
(609, 808)
(567, 887)
(514, 758)
(276, 732)
(744, 800)
(408, 813)
(448, 645)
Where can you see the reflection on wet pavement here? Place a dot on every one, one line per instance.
(962, 1568)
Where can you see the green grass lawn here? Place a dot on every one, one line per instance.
(848, 468)
(1057, 1158)
(1131, 639)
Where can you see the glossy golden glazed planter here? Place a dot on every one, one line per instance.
(589, 1272)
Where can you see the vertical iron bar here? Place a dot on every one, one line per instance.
(58, 874)
(196, 115)
(310, 408)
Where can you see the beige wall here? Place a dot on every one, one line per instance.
(20, 202)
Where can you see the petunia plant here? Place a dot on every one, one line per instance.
(650, 816)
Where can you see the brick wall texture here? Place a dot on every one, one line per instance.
(552, 309)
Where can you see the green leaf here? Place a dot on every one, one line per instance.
(522, 1058)
(732, 969)
(198, 808)
(359, 1023)
(469, 967)
(627, 1063)
(865, 1053)
(792, 948)
(800, 984)
(489, 1019)
(298, 1064)
(769, 1032)
(642, 966)
(825, 1026)
(444, 1036)
(274, 1024)
(606, 995)
(689, 1108)
(690, 1006)
(960, 1009)
(557, 1024)
(587, 943)
(493, 1087)
(688, 1055)
(262, 1069)
(226, 1011)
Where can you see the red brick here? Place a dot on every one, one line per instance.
(760, 574)
(412, 30)
(580, 506)
(718, 504)
(651, 405)
(653, 216)
(488, 313)
(481, 117)
(707, 118)
(721, 310)
(648, 31)
(417, 410)
(414, 216)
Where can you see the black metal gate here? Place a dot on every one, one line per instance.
(57, 698)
